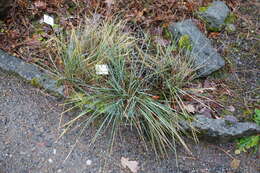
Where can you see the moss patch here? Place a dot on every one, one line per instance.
(247, 112)
(166, 33)
(35, 82)
(213, 29)
(184, 43)
(230, 19)
(203, 9)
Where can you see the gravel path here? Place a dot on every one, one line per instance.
(29, 121)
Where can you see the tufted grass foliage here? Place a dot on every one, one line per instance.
(80, 49)
(143, 89)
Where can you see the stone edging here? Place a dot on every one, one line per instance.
(30, 73)
(222, 130)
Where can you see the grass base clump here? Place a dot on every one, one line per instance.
(143, 90)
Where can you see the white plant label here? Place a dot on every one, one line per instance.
(101, 69)
(48, 20)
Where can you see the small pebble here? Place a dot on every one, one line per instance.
(54, 151)
(88, 162)
(22, 153)
(41, 129)
(231, 108)
(50, 161)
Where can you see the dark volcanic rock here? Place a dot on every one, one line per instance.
(223, 130)
(29, 72)
(205, 57)
(4, 7)
(215, 15)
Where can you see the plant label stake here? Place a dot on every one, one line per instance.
(48, 20)
(101, 69)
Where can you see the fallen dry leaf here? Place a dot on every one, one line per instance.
(132, 165)
(40, 5)
(190, 108)
(155, 97)
(214, 35)
(235, 163)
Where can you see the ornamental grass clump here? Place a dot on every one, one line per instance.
(142, 90)
(78, 50)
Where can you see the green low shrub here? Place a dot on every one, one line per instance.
(244, 144)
